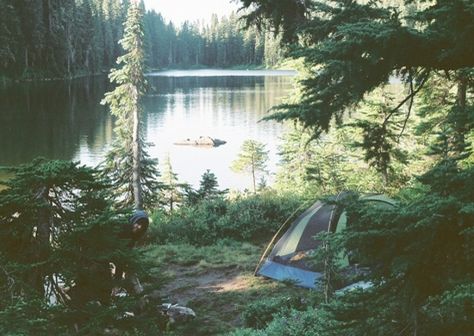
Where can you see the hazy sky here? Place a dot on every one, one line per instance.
(191, 10)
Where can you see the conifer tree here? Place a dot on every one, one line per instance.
(172, 194)
(381, 130)
(252, 159)
(133, 173)
(354, 47)
(59, 234)
(419, 254)
(209, 187)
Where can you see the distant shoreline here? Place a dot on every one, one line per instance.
(222, 72)
(36, 78)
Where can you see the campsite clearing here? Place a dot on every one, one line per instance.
(215, 281)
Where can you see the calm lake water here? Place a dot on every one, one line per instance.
(64, 120)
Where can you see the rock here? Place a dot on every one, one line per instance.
(201, 141)
(177, 313)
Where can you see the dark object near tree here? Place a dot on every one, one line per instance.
(133, 231)
(136, 228)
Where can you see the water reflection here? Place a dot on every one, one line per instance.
(52, 119)
(64, 120)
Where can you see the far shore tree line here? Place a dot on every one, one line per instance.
(64, 39)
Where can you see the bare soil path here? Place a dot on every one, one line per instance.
(217, 282)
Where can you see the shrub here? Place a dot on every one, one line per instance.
(253, 218)
(310, 322)
(258, 314)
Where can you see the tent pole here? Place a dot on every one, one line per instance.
(275, 237)
(328, 289)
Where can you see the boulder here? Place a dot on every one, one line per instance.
(201, 141)
(177, 313)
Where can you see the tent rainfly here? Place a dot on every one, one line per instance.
(287, 261)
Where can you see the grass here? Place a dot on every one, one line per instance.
(4, 176)
(215, 281)
(223, 253)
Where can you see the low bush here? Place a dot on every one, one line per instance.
(309, 322)
(258, 314)
(253, 219)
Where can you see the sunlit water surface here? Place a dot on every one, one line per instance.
(64, 120)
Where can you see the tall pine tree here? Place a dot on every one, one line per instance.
(133, 173)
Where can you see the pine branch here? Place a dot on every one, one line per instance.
(407, 98)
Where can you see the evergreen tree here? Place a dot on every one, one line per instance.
(381, 133)
(252, 159)
(208, 189)
(357, 47)
(59, 234)
(9, 36)
(172, 195)
(418, 255)
(133, 173)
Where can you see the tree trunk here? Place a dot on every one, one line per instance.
(385, 176)
(253, 176)
(254, 183)
(170, 55)
(136, 152)
(27, 65)
(42, 241)
(461, 117)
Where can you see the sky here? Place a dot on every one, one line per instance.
(179, 11)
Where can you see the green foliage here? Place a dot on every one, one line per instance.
(208, 186)
(225, 253)
(354, 47)
(381, 132)
(298, 323)
(447, 116)
(208, 190)
(172, 191)
(258, 314)
(252, 218)
(418, 257)
(252, 159)
(59, 234)
(53, 39)
(133, 174)
(314, 168)
(417, 252)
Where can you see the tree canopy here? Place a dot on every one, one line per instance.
(352, 47)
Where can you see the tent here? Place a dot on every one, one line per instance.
(288, 258)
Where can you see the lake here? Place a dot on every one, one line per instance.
(64, 120)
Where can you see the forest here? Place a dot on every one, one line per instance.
(66, 39)
(383, 104)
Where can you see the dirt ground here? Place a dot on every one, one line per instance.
(216, 282)
(191, 282)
